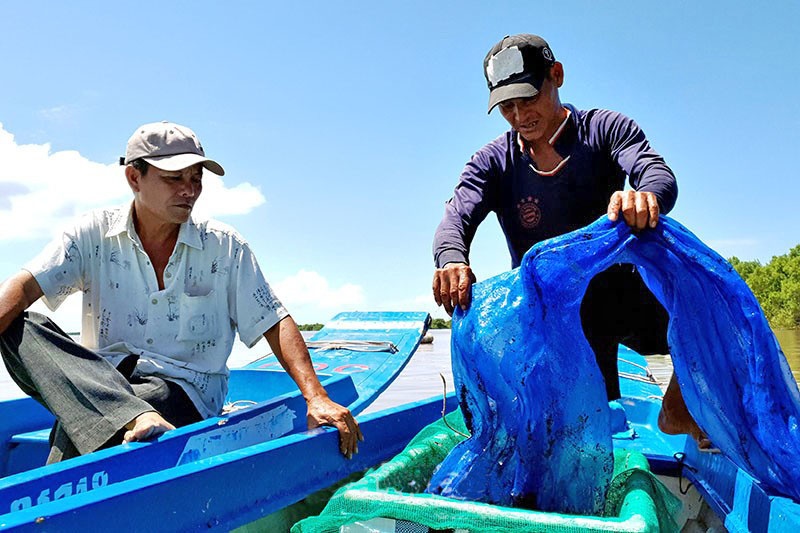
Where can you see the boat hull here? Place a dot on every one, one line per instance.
(356, 355)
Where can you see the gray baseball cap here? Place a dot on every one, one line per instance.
(516, 67)
(168, 146)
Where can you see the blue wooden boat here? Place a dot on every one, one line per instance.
(716, 489)
(271, 485)
(218, 471)
(715, 494)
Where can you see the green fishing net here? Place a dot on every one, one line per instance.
(636, 500)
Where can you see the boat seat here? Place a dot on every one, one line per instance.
(32, 436)
(28, 450)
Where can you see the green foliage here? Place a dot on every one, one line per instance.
(776, 285)
(310, 327)
(440, 323)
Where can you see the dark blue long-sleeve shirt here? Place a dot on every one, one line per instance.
(603, 148)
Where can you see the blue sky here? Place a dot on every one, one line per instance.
(343, 127)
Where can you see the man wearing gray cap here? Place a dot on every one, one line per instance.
(163, 297)
(558, 169)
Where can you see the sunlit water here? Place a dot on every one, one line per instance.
(421, 377)
(789, 339)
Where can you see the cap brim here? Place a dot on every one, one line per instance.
(513, 90)
(174, 163)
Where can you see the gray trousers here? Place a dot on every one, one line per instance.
(90, 398)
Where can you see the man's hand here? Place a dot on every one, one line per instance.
(322, 411)
(146, 426)
(640, 209)
(451, 286)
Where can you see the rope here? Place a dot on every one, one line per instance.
(238, 405)
(444, 407)
(680, 457)
(636, 377)
(646, 369)
(355, 346)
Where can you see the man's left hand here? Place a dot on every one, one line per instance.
(639, 209)
(322, 411)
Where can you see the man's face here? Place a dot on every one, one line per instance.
(168, 196)
(535, 118)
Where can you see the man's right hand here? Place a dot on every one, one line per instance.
(451, 286)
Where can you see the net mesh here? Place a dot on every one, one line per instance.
(636, 500)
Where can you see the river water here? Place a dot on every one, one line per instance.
(421, 377)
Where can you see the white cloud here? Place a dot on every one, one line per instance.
(218, 200)
(57, 113)
(41, 190)
(422, 302)
(310, 290)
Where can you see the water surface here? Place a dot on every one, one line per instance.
(789, 339)
(421, 377)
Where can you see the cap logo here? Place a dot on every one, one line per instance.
(504, 64)
(548, 55)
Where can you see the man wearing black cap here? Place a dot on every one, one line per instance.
(556, 170)
(163, 297)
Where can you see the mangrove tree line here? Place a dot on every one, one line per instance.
(776, 285)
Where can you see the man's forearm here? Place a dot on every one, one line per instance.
(451, 240)
(17, 293)
(289, 347)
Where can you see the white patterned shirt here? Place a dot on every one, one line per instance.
(213, 287)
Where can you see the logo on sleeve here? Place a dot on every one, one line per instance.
(529, 212)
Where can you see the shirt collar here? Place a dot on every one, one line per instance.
(122, 222)
(190, 234)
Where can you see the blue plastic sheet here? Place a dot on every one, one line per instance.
(534, 399)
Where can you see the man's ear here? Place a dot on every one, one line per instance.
(133, 176)
(557, 73)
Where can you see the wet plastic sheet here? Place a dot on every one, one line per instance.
(533, 397)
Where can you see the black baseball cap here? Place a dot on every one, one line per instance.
(516, 67)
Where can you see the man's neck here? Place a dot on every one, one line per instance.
(152, 232)
(158, 241)
(541, 151)
(550, 137)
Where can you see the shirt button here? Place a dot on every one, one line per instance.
(167, 275)
(154, 301)
(149, 341)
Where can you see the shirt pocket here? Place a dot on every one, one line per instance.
(198, 317)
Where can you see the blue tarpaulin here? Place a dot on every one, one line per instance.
(533, 397)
